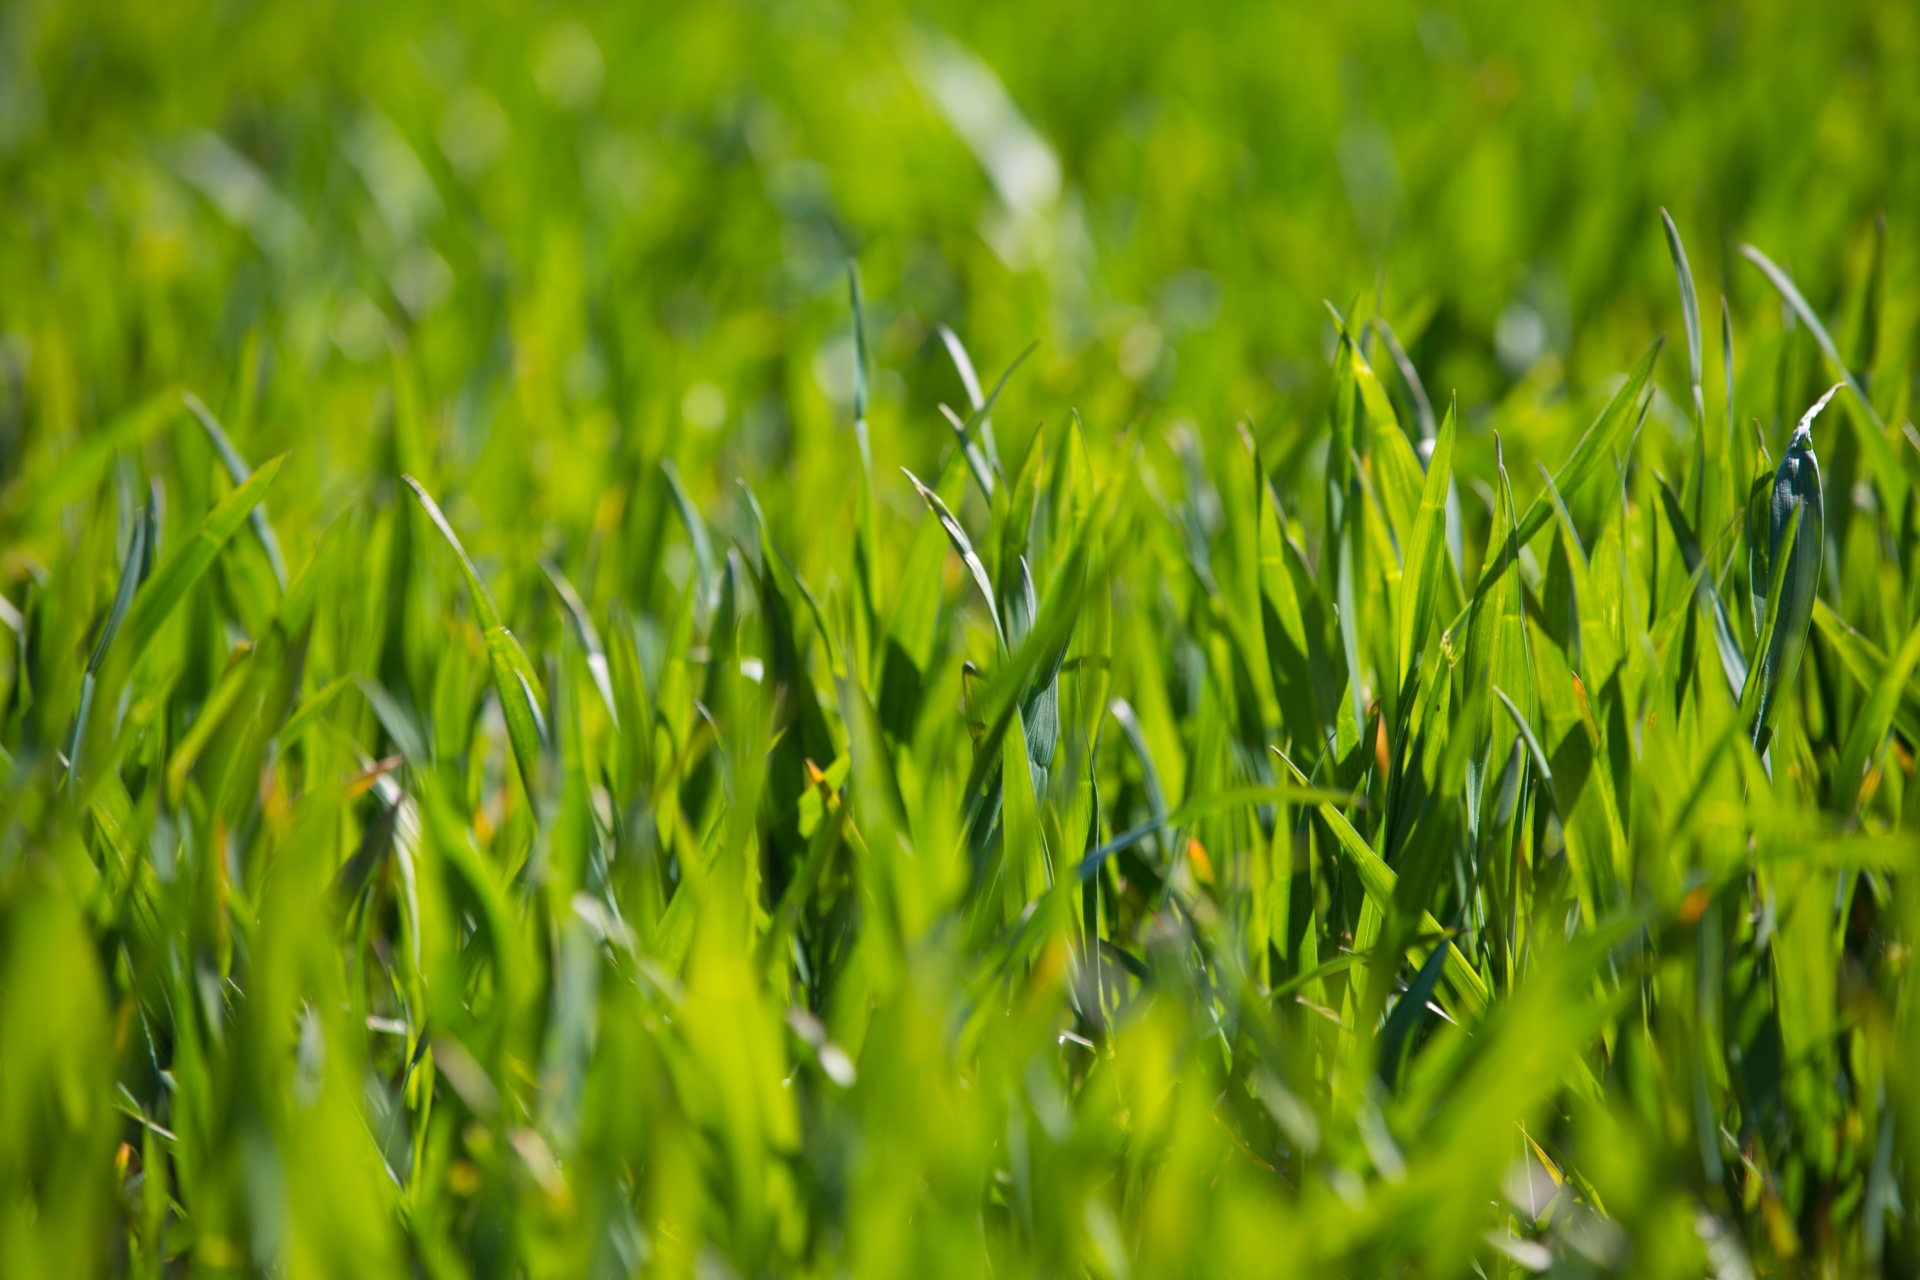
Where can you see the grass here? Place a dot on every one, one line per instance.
(550, 725)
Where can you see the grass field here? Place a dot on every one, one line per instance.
(798, 639)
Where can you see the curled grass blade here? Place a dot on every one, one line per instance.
(963, 545)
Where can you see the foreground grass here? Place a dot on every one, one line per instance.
(1116, 868)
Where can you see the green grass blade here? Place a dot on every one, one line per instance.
(484, 611)
(1421, 573)
(172, 580)
(1870, 726)
(1690, 308)
(1733, 662)
(1783, 283)
(1866, 663)
(514, 679)
(969, 431)
(518, 685)
(696, 527)
(576, 608)
(970, 382)
(238, 471)
(861, 359)
(1377, 879)
(1755, 698)
(963, 545)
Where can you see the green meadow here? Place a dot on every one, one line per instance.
(813, 638)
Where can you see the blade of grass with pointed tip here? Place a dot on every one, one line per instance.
(1045, 645)
(1349, 612)
(969, 431)
(1526, 735)
(122, 596)
(970, 382)
(238, 471)
(1025, 867)
(1014, 509)
(1497, 642)
(514, 679)
(226, 693)
(399, 724)
(1783, 283)
(485, 612)
(1423, 407)
(1690, 309)
(858, 305)
(913, 628)
(866, 540)
(786, 579)
(171, 581)
(122, 599)
(1409, 1012)
(970, 450)
(1420, 579)
(1882, 463)
(1284, 628)
(1731, 493)
(1696, 480)
(520, 697)
(695, 525)
(964, 546)
(597, 665)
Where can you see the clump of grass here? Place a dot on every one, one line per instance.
(535, 742)
(1179, 891)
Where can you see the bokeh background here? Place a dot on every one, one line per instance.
(609, 233)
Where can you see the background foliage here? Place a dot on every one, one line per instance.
(1254, 824)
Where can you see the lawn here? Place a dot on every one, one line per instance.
(823, 639)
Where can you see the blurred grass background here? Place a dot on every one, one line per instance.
(531, 254)
(585, 223)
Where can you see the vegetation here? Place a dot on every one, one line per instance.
(554, 721)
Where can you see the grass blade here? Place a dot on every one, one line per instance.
(1690, 308)
(964, 546)
(1594, 447)
(1420, 579)
(238, 471)
(514, 679)
(576, 608)
(172, 580)
(1783, 282)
